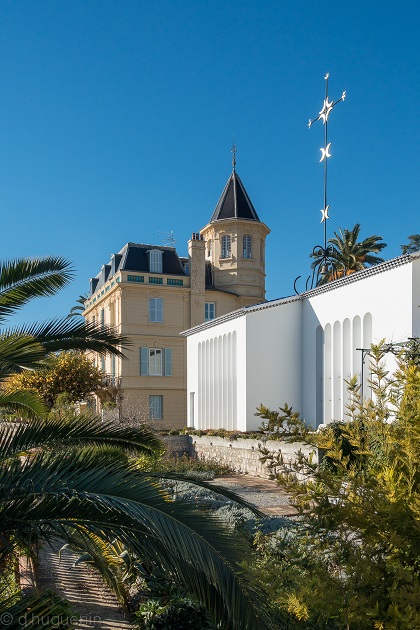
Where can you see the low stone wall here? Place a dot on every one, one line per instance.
(177, 445)
(243, 455)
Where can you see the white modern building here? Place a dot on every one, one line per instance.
(301, 349)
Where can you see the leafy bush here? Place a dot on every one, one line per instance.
(352, 560)
(179, 614)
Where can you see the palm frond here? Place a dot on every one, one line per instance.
(19, 352)
(69, 334)
(21, 403)
(56, 494)
(23, 279)
(79, 431)
(27, 611)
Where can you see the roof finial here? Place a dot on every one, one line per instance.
(233, 151)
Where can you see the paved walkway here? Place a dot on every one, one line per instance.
(91, 598)
(264, 494)
(83, 588)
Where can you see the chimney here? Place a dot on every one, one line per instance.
(197, 253)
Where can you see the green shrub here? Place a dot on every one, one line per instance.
(179, 614)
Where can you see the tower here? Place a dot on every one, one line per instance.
(235, 243)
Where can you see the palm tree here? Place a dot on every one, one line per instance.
(62, 479)
(58, 481)
(413, 244)
(25, 347)
(79, 307)
(349, 255)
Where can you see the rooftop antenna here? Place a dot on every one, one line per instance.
(324, 254)
(169, 239)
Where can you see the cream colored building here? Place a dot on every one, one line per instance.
(150, 295)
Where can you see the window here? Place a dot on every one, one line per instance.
(226, 251)
(175, 282)
(247, 246)
(209, 311)
(102, 318)
(209, 248)
(155, 407)
(155, 361)
(131, 278)
(155, 309)
(155, 260)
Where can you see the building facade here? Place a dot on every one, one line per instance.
(300, 350)
(150, 294)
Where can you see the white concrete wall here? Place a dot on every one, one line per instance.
(300, 352)
(216, 382)
(416, 297)
(273, 357)
(353, 316)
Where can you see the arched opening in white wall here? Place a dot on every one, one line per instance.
(328, 374)
(357, 343)
(225, 375)
(337, 379)
(319, 376)
(347, 358)
(367, 342)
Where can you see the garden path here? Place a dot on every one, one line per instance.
(264, 494)
(83, 588)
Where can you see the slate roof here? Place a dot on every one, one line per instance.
(133, 257)
(234, 202)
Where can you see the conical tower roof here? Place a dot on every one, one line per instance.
(234, 202)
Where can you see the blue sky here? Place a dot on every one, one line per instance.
(116, 123)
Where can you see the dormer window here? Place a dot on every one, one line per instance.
(226, 246)
(155, 260)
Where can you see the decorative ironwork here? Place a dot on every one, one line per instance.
(324, 266)
(233, 151)
(395, 348)
(111, 381)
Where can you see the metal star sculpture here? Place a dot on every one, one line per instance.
(325, 265)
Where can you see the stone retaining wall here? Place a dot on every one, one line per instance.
(241, 455)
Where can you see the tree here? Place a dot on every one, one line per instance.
(79, 307)
(68, 476)
(350, 255)
(413, 245)
(26, 347)
(352, 561)
(60, 479)
(68, 372)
